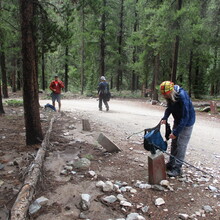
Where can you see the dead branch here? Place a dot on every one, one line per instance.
(21, 205)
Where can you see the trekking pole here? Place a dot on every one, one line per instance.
(135, 134)
(182, 161)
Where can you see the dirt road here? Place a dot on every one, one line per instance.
(127, 117)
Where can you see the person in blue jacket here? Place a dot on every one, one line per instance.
(182, 110)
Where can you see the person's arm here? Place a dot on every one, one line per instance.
(51, 87)
(185, 101)
(61, 84)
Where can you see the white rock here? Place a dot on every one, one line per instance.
(34, 207)
(145, 209)
(135, 216)
(159, 202)
(108, 186)
(213, 189)
(207, 208)
(100, 184)
(68, 168)
(183, 216)
(144, 186)
(92, 173)
(85, 201)
(125, 203)
(42, 200)
(120, 197)
(110, 199)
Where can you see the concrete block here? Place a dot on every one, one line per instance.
(86, 125)
(107, 144)
(156, 168)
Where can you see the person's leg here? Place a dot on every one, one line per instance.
(53, 99)
(179, 151)
(100, 103)
(106, 104)
(59, 101)
(182, 144)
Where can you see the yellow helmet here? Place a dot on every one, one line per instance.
(166, 87)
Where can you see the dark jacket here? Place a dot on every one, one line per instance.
(182, 110)
(103, 88)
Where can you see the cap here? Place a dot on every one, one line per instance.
(166, 87)
(103, 78)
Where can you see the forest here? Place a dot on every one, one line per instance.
(135, 44)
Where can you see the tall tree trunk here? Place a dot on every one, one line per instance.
(13, 75)
(155, 78)
(66, 68)
(4, 75)
(30, 92)
(1, 105)
(120, 40)
(190, 73)
(102, 40)
(196, 84)
(83, 48)
(176, 47)
(43, 69)
(134, 83)
(19, 78)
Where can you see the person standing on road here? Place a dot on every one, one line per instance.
(56, 86)
(182, 110)
(103, 91)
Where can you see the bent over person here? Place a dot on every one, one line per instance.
(182, 110)
(56, 86)
(103, 91)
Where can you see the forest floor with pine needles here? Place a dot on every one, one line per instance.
(189, 194)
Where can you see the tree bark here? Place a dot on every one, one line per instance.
(66, 76)
(176, 47)
(43, 69)
(134, 83)
(102, 41)
(155, 79)
(120, 40)
(30, 87)
(1, 105)
(83, 48)
(13, 75)
(190, 73)
(4, 74)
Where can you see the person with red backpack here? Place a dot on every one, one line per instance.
(56, 86)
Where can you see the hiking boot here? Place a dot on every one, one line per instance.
(107, 109)
(169, 166)
(174, 172)
(100, 109)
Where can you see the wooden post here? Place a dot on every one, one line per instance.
(86, 125)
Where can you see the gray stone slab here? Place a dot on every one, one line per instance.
(107, 144)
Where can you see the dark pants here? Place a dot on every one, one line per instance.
(179, 146)
(103, 99)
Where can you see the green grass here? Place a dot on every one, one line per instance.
(14, 103)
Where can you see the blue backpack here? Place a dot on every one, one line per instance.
(153, 139)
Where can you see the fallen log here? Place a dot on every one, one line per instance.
(21, 205)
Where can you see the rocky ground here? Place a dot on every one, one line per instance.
(80, 180)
